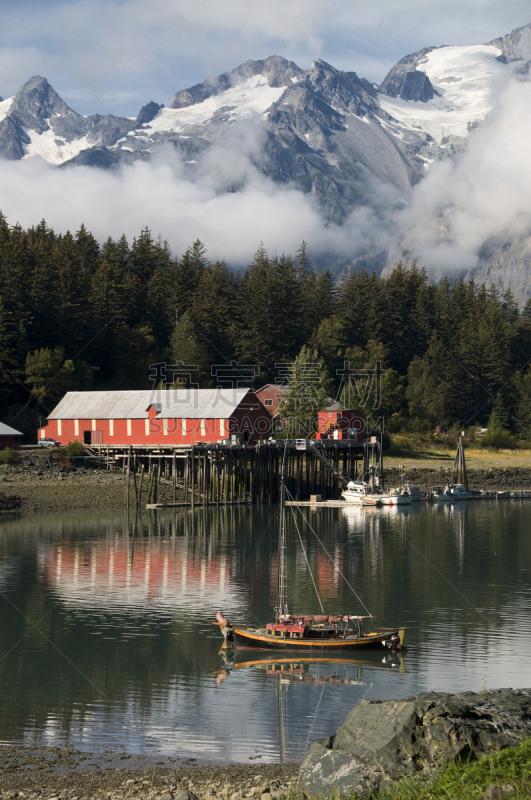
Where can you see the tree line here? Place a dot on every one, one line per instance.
(75, 315)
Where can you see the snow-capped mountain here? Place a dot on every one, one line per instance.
(330, 133)
(327, 130)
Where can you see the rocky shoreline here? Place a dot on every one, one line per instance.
(381, 743)
(34, 773)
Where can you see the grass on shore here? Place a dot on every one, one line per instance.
(469, 781)
(425, 452)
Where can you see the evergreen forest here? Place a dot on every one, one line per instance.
(77, 315)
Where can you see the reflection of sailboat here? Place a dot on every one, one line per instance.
(290, 670)
(296, 668)
(308, 633)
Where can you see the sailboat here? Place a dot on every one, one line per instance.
(309, 633)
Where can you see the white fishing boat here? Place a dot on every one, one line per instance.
(416, 492)
(396, 497)
(359, 492)
(451, 493)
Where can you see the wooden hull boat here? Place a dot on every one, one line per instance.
(259, 638)
(321, 633)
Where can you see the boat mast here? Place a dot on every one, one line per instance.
(282, 600)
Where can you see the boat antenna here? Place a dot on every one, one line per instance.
(282, 601)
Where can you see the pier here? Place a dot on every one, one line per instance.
(236, 473)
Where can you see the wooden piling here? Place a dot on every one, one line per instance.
(128, 477)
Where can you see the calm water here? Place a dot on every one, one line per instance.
(105, 637)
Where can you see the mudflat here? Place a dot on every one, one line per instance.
(51, 772)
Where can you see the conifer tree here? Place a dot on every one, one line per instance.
(309, 388)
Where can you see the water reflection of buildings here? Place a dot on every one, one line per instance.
(129, 573)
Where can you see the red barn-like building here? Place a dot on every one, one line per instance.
(336, 423)
(270, 396)
(158, 417)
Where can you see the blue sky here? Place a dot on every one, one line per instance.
(113, 56)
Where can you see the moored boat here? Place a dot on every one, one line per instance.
(416, 492)
(309, 633)
(359, 493)
(396, 497)
(451, 493)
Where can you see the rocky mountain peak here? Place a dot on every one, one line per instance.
(516, 46)
(147, 113)
(277, 70)
(407, 81)
(345, 89)
(35, 102)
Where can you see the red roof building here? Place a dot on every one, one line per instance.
(158, 417)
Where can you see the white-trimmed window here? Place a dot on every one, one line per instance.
(129, 427)
(147, 426)
(93, 424)
(59, 427)
(111, 427)
(165, 426)
(268, 402)
(203, 427)
(222, 427)
(76, 427)
(183, 425)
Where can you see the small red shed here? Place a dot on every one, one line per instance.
(337, 423)
(158, 417)
(8, 436)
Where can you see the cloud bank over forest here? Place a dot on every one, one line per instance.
(224, 200)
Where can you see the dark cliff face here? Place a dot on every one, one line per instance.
(407, 81)
(147, 113)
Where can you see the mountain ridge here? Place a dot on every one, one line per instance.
(329, 133)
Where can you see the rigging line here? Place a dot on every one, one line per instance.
(315, 716)
(358, 598)
(306, 557)
(272, 519)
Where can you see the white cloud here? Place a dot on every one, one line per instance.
(461, 205)
(227, 203)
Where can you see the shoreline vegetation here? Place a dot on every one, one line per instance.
(34, 481)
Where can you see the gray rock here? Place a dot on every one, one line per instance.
(383, 741)
(516, 46)
(405, 80)
(496, 791)
(147, 113)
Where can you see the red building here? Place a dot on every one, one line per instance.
(270, 396)
(336, 423)
(158, 417)
(8, 436)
